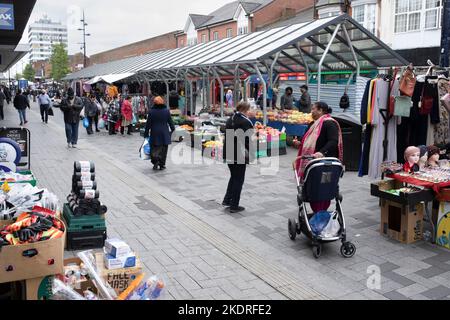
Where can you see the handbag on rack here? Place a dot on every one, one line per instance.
(408, 82)
(426, 104)
(403, 106)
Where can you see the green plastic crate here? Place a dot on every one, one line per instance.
(32, 182)
(83, 223)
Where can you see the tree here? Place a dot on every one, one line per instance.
(18, 76)
(29, 72)
(59, 62)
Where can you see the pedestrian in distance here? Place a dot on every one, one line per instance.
(21, 103)
(44, 103)
(127, 116)
(2, 103)
(304, 105)
(90, 111)
(287, 100)
(159, 128)
(237, 154)
(113, 115)
(71, 106)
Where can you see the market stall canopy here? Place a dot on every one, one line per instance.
(294, 48)
(110, 78)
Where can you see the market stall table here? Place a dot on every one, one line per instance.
(295, 130)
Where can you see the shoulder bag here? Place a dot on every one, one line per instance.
(407, 83)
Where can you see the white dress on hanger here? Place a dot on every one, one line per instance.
(376, 147)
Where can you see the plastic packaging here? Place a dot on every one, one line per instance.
(319, 221)
(83, 176)
(61, 291)
(332, 228)
(103, 287)
(152, 289)
(89, 194)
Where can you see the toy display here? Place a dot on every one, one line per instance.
(412, 157)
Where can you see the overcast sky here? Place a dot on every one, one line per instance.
(114, 23)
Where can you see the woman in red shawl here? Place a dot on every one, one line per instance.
(323, 139)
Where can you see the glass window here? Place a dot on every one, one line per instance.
(216, 35)
(401, 21)
(358, 14)
(204, 38)
(432, 14)
(401, 6)
(415, 5)
(229, 33)
(414, 21)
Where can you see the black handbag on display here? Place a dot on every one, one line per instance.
(345, 102)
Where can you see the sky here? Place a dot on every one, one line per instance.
(115, 23)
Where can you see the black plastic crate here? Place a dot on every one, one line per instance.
(86, 240)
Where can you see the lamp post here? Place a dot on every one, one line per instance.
(84, 38)
(445, 38)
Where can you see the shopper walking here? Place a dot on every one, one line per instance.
(113, 115)
(159, 128)
(127, 116)
(44, 103)
(229, 99)
(71, 106)
(21, 104)
(238, 157)
(287, 100)
(90, 111)
(305, 101)
(323, 139)
(2, 103)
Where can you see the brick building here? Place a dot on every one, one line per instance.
(43, 68)
(162, 42)
(236, 18)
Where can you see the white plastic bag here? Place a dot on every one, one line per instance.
(332, 228)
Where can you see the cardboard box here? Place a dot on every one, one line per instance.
(118, 279)
(30, 261)
(400, 222)
(117, 248)
(112, 263)
(39, 288)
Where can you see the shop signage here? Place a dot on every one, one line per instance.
(6, 16)
(22, 137)
(294, 76)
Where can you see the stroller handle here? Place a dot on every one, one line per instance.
(308, 157)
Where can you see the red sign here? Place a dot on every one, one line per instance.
(293, 76)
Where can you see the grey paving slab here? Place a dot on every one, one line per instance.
(394, 295)
(437, 293)
(165, 244)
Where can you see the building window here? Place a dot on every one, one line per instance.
(182, 42)
(432, 14)
(229, 33)
(216, 35)
(366, 15)
(243, 30)
(203, 38)
(409, 13)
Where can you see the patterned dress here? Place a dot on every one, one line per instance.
(441, 130)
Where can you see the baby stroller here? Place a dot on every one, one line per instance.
(321, 183)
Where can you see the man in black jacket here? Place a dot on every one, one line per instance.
(71, 106)
(21, 104)
(238, 153)
(2, 102)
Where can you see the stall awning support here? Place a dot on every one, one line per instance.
(272, 66)
(302, 56)
(352, 49)
(263, 82)
(324, 55)
(221, 91)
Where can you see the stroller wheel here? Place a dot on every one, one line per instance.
(348, 250)
(292, 228)
(317, 251)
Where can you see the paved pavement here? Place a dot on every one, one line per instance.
(175, 222)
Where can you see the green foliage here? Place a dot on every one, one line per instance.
(29, 72)
(18, 76)
(59, 62)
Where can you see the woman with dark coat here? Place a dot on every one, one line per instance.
(238, 154)
(160, 128)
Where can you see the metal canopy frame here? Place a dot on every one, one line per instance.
(335, 43)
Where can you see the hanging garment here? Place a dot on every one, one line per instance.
(441, 132)
(419, 123)
(380, 101)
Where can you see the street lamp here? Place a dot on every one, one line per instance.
(84, 37)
